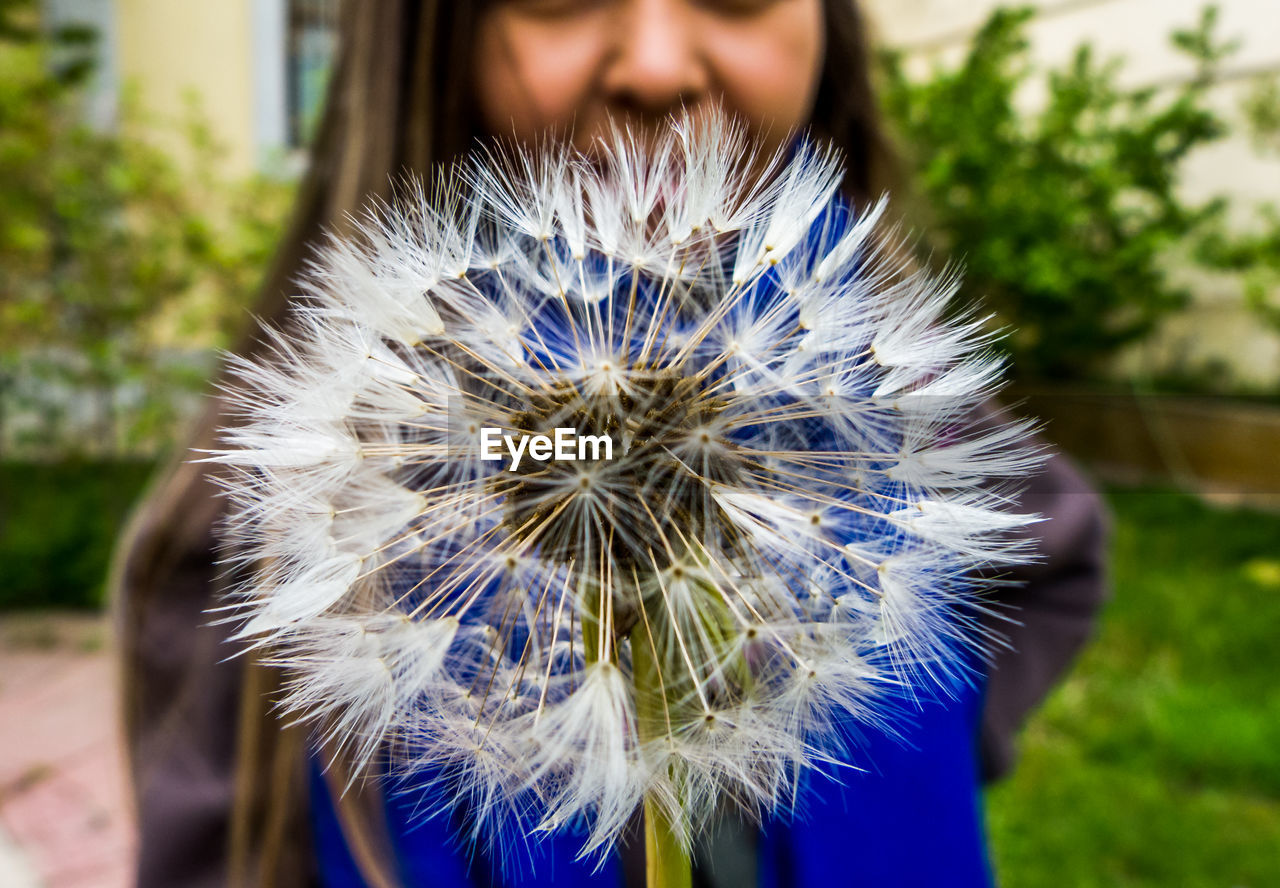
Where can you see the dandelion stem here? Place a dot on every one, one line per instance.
(666, 862)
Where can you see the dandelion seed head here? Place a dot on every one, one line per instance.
(783, 530)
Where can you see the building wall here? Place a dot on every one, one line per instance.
(169, 48)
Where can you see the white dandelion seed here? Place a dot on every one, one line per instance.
(788, 526)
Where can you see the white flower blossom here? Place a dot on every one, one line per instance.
(789, 525)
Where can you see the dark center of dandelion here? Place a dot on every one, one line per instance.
(633, 515)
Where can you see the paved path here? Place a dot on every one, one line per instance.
(64, 811)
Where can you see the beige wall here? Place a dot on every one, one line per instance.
(169, 47)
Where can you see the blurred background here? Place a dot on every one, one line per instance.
(1108, 171)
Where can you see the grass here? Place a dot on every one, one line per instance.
(1158, 761)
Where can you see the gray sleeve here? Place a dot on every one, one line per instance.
(1051, 609)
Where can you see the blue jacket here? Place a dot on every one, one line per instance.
(911, 817)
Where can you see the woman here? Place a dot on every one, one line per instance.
(224, 792)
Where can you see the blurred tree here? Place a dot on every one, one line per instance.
(112, 255)
(1065, 218)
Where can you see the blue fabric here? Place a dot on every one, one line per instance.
(912, 818)
(332, 857)
(429, 854)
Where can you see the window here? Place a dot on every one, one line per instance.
(310, 38)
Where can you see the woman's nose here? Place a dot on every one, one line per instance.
(656, 64)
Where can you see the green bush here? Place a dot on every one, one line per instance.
(113, 254)
(58, 523)
(1066, 219)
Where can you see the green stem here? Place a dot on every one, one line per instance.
(667, 864)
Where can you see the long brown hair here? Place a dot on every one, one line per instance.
(400, 99)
